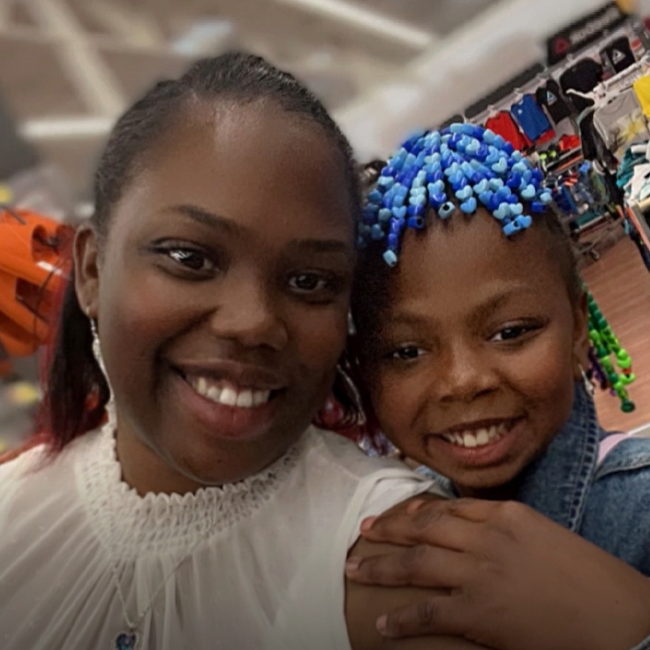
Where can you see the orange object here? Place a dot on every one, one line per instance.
(32, 269)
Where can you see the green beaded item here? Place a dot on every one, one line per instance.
(615, 362)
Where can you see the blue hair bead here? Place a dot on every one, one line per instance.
(438, 200)
(495, 203)
(393, 241)
(482, 186)
(470, 206)
(390, 258)
(416, 223)
(400, 212)
(517, 209)
(511, 228)
(489, 136)
(529, 193)
(513, 199)
(546, 197)
(524, 222)
(377, 234)
(385, 215)
(375, 197)
(504, 192)
(446, 210)
(456, 127)
(464, 193)
(501, 167)
(396, 226)
(499, 142)
(537, 207)
(508, 148)
(502, 212)
(416, 210)
(486, 197)
(418, 199)
(361, 243)
(514, 181)
(496, 184)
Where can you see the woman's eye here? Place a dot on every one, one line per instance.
(407, 353)
(191, 259)
(309, 283)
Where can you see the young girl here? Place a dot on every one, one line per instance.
(207, 314)
(473, 343)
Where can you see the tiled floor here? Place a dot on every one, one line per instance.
(621, 285)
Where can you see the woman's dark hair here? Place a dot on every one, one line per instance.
(75, 390)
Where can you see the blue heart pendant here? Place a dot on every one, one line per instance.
(126, 642)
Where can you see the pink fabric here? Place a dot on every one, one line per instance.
(608, 444)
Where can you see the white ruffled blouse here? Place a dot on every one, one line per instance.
(250, 566)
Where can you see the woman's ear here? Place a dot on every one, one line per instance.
(86, 269)
(581, 340)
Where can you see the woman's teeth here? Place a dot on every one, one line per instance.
(228, 394)
(478, 438)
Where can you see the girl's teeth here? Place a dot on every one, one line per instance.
(245, 399)
(474, 439)
(261, 397)
(228, 396)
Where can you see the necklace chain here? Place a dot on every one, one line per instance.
(133, 626)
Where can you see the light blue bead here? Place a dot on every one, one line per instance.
(524, 222)
(511, 228)
(390, 258)
(529, 193)
(486, 197)
(385, 215)
(499, 142)
(457, 127)
(464, 193)
(418, 200)
(400, 212)
(521, 167)
(446, 210)
(546, 197)
(481, 187)
(517, 209)
(496, 184)
(501, 167)
(489, 136)
(386, 182)
(470, 206)
(503, 212)
(437, 187)
(377, 234)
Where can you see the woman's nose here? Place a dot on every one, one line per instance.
(250, 315)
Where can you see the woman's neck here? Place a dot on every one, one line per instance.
(146, 472)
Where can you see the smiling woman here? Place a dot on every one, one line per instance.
(206, 318)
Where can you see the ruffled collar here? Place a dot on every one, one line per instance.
(129, 525)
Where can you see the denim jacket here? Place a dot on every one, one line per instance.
(607, 503)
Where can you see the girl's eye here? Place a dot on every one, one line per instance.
(407, 353)
(512, 333)
(191, 259)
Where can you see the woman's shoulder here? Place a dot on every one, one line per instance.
(347, 459)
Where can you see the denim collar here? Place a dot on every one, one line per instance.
(558, 482)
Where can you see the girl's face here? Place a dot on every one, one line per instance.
(473, 370)
(222, 293)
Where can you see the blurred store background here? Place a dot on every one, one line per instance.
(384, 67)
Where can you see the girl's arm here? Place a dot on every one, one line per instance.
(365, 604)
(514, 579)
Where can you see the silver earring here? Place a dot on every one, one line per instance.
(589, 387)
(352, 330)
(354, 393)
(97, 348)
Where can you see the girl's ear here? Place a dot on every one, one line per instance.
(581, 340)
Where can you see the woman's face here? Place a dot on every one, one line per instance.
(222, 291)
(474, 366)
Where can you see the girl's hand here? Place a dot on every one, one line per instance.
(514, 579)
